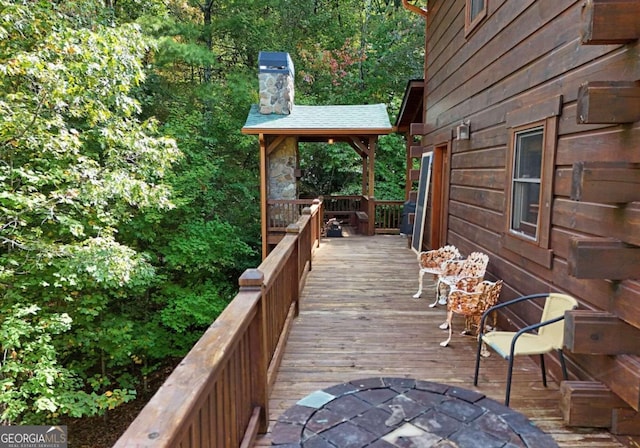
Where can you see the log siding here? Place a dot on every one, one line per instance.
(522, 56)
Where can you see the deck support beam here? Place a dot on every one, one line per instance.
(417, 129)
(606, 182)
(599, 333)
(592, 404)
(608, 102)
(603, 258)
(588, 404)
(625, 421)
(620, 373)
(610, 22)
(416, 151)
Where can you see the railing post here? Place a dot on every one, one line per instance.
(319, 219)
(371, 212)
(252, 280)
(313, 234)
(300, 261)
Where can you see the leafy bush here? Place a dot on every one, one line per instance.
(36, 389)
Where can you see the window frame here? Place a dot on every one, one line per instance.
(539, 115)
(516, 139)
(470, 23)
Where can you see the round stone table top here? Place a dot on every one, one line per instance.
(403, 412)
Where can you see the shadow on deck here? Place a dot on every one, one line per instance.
(358, 319)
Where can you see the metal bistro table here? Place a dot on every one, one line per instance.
(403, 412)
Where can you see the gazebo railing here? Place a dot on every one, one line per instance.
(350, 210)
(388, 216)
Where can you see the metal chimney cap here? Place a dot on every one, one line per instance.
(275, 62)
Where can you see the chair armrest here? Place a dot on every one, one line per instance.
(505, 304)
(530, 328)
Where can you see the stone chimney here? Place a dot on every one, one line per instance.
(276, 75)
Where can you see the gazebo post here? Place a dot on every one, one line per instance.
(264, 208)
(372, 160)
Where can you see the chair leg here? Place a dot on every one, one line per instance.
(563, 364)
(419, 293)
(475, 375)
(442, 298)
(484, 351)
(467, 325)
(448, 325)
(432, 305)
(509, 375)
(544, 371)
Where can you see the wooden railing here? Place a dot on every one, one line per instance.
(341, 203)
(282, 212)
(388, 216)
(383, 216)
(218, 395)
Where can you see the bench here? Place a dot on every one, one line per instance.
(362, 221)
(356, 219)
(338, 214)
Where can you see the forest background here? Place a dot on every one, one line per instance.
(129, 199)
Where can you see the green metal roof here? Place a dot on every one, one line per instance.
(322, 120)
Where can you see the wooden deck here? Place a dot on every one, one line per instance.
(358, 319)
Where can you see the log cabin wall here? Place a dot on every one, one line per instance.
(549, 62)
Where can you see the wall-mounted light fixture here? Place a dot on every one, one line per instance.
(463, 131)
(330, 141)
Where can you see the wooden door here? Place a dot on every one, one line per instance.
(440, 196)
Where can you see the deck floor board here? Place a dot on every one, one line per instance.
(358, 319)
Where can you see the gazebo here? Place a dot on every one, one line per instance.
(281, 126)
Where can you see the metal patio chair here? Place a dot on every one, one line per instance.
(475, 265)
(431, 263)
(470, 297)
(549, 336)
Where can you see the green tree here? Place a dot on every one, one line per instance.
(201, 246)
(116, 249)
(384, 50)
(75, 164)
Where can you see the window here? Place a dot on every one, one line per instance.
(525, 182)
(529, 190)
(475, 11)
(530, 182)
(475, 8)
(529, 177)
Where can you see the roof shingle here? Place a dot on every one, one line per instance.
(312, 120)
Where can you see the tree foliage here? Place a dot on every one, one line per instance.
(129, 197)
(75, 165)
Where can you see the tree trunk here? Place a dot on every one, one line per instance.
(206, 35)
